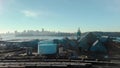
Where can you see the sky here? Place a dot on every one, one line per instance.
(60, 15)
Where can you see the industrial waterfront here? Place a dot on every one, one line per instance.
(59, 34)
(81, 50)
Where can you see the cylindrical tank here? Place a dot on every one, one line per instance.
(47, 48)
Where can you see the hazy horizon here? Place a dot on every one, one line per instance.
(60, 15)
(56, 31)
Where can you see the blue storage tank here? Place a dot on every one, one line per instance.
(47, 48)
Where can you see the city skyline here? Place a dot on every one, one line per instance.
(60, 15)
(42, 30)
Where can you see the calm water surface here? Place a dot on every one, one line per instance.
(10, 37)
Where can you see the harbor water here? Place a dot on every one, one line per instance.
(13, 37)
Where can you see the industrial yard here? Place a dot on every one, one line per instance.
(43, 34)
(86, 51)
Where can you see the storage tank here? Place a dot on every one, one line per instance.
(47, 48)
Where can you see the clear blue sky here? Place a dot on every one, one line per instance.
(60, 15)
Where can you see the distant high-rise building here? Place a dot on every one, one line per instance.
(0, 38)
(16, 32)
(24, 31)
(42, 29)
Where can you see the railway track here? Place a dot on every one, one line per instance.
(43, 64)
(64, 63)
